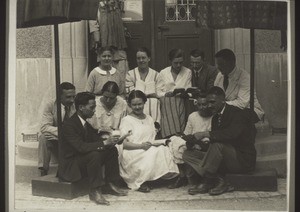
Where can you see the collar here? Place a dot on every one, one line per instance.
(82, 120)
(103, 72)
(222, 111)
(198, 71)
(232, 73)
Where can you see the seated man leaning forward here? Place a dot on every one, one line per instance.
(48, 139)
(231, 149)
(198, 121)
(84, 152)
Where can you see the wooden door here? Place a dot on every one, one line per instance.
(168, 24)
(140, 32)
(175, 27)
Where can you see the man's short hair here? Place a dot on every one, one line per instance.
(83, 98)
(66, 86)
(197, 53)
(226, 54)
(215, 90)
(175, 53)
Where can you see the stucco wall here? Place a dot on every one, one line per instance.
(34, 42)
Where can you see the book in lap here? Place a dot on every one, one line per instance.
(146, 87)
(159, 142)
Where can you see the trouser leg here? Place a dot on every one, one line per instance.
(45, 148)
(218, 156)
(90, 165)
(112, 172)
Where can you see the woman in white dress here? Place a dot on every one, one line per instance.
(173, 115)
(144, 78)
(141, 160)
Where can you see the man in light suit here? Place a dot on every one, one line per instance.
(235, 82)
(48, 140)
(231, 149)
(203, 75)
(84, 152)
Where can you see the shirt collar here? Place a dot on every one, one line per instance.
(231, 74)
(222, 111)
(82, 120)
(103, 72)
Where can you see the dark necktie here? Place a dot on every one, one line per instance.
(67, 113)
(85, 131)
(225, 82)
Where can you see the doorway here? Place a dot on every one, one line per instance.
(164, 25)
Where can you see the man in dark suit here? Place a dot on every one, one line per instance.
(231, 149)
(84, 152)
(203, 75)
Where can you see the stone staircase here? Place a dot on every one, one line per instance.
(27, 162)
(271, 154)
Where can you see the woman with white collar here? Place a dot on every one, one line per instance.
(104, 73)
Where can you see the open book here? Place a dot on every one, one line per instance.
(189, 92)
(159, 142)
(146, 87)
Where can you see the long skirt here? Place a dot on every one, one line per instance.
(173, 116)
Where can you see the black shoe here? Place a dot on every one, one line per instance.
(43, 172)
(110, 188)
(144, 188)
(221, 187)
(181, 181)
(96, 196)
(202, 188)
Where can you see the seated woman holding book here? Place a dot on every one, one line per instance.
(143, 158)
(171, 85)
(144, 78)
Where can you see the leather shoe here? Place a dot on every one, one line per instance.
(43, 172)
(113, 190)
(181, 181)
(221, 187)
(96, 196)
(202, 188)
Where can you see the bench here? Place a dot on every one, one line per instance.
(51, 186)
(259, 180)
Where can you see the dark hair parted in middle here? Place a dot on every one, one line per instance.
(144, 49)
(136, 94)
(111, 86)
(83, 98)
(175, 53)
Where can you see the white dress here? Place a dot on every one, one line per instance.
(139, 166)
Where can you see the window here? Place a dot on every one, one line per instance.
(180, 10)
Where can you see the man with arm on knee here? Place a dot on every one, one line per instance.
(231, 149)
(84, 152)
(48, 140)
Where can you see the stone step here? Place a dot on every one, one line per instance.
(28, 150)
(25, 169)
(50, 186)
(260, 180)
(271, 145)
(277, 162)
